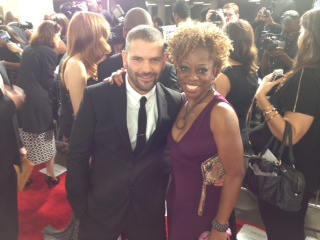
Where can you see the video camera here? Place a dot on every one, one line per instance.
(25, 25)
(117, 30)
(270, 42)
(70, 8)
(266, 13)
(4, 36)
(216, 18)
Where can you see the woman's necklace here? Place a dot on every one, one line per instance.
(181, 122)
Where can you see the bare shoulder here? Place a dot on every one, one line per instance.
(74, 64)
(223, 114)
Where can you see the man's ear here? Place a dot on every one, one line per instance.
(124, 58)
(165, 59)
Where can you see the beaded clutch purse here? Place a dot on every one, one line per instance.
(212, 170)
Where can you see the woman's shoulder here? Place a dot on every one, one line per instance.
(75, 64)
(309, 76)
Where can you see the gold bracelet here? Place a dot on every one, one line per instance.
(273, 110)
(271, 106)
(267, 120)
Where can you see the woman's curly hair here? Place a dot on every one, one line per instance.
(189, 37)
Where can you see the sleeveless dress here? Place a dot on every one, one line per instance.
(243, 89)
(196, 146)
(66, 115)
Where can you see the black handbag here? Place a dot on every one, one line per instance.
(275, 182)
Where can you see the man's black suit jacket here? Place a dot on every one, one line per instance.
(116, 180)
(113, 63)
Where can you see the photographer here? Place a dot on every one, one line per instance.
(22, 29)
(277, 56)
(11, 47)
(220, 17)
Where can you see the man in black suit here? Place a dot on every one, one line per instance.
(10, 148)
(134, 17)
(121, 190)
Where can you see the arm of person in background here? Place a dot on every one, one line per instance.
(222, 84)
(11, 65)
(265, 63)
(75, 77)
(13, 47)
(225, 129)
(300, 122)
(17, 96)
(279, 53)
(28, 33)
(61, 49)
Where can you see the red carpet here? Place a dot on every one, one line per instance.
(40, 206)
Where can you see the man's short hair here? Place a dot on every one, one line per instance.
(233, 6)
(182, 9)
(290, 16)
(137, 16)
(146, 33)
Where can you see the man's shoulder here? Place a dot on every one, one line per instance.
(109, 65)
(169, 92)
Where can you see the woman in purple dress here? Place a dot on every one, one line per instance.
(206, 125)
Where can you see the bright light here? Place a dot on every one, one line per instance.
(198, 2)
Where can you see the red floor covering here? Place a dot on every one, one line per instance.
(40, 206)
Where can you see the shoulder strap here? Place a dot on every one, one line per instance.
(295, 104)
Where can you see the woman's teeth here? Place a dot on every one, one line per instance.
(192, 87)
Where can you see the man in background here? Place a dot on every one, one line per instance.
(281, 57)
(181, 12)
(135, 17)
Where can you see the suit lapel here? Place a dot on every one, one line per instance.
(162, 115)
(120, 112)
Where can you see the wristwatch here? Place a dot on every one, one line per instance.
(219, 227)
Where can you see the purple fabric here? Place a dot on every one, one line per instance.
(184, 193)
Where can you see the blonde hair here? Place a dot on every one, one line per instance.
(199, 35)
(87, 35)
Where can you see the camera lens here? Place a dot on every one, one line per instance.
(266, 13)
(215, 17)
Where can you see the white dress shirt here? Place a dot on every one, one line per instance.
(133, 105)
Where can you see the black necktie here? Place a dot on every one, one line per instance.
(142, 125)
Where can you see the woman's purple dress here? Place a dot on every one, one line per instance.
(196, 146)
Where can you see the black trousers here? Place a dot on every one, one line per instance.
(9, 208)
(281, 224)
(131, 228)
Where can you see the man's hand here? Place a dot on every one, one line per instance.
(279, 53)
(260, 17)
(260, 14)
(116, 77)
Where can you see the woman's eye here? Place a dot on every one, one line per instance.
(184, 69)
(203, 70)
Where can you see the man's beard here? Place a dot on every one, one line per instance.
(133, 77)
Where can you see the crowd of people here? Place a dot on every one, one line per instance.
(139, 123)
